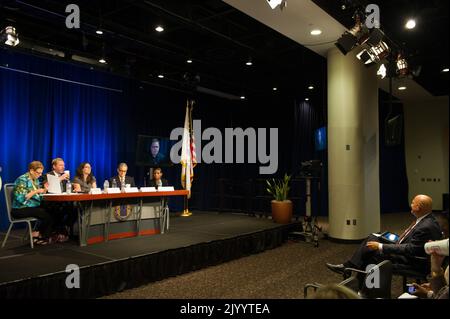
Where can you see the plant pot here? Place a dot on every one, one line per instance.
(282, 211)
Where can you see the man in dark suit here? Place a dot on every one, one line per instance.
(157, 180)
(409, 246)
(58, 167)
(64, 214)
(121, 178)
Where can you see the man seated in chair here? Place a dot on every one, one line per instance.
(407, 252)
(122, 178)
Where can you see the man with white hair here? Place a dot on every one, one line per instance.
(403, 254)
(122, 178)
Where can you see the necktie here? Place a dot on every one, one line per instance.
(406, 232)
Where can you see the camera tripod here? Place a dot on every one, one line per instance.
(310, 228)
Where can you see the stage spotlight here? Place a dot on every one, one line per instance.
(9, 36)
(102, 61)
(382, 71)
(350, 39)
(402, 65)
(366, 57)
(380, 51)
(275, 3)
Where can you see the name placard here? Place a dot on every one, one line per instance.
(95, 191)
(112, 190)
(131, 189)
(148, 189)
(166, 189)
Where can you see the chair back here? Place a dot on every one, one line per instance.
(378, 281)
(9, 188)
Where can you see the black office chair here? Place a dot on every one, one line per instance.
(407, 272)
(375, 283)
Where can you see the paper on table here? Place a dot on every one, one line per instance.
(54, 184)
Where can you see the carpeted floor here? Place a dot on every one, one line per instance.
(278, 273)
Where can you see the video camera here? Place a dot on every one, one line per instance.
(311, 168)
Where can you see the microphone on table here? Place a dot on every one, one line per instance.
(158, 184)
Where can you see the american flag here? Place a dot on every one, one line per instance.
(188, 155)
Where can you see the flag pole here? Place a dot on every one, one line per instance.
(186, 212)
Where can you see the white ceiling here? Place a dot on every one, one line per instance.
(296, 22)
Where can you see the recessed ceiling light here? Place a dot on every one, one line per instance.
(161, 76)
(102, 60)
(411, 24)
(100, 32)
(159, 28)
(316, 32)
(242, 97)
(275, 89)
(310, 87)
(188, 61)
(445, 70)
(249, 63)
(402, 88)
(307, 99)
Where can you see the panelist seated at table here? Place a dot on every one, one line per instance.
(121, 178)
(157, 180)
(84, 179)
(58, 169)
(27, 198)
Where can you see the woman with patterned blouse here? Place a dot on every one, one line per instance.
(27, 197)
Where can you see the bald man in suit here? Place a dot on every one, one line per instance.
(403, 254)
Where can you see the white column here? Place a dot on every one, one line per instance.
(353, 152)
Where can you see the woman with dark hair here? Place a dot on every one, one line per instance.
(84, 180)
(27, 198)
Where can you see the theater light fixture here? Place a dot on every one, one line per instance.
(242, 97)
(99, 32)
(445, 70)
(356, 35)
(380, 51)
(249, 62)
(275, 3)
(366, 57)
(275, 89)
(161, 76)
(382, 71)
(307, 99)
(402, 88)
(159, 28)
(189, 61)
(102, 60)
(316, 32)
(310, 87)
(9, 36)
(402, 65)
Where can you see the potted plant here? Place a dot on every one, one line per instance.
(281, 206)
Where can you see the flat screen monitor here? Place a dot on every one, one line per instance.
(320, 137)
(153, 151)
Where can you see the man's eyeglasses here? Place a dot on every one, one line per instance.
(122, 171)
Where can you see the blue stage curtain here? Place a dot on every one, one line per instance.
(43, 118)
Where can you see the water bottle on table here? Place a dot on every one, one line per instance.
(68, 187)
(105, 185)
(114, 183)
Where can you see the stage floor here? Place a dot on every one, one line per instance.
(19, 262)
